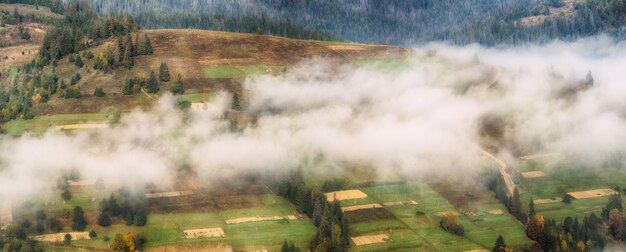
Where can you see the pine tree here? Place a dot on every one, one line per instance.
(120, 49)
(79, 219)
(153, 85)
(236, 105)
(164, 73)
(500, 245)
(127, 89)
(129, 44)
(128, 60)
(147, 45)
(138, 49)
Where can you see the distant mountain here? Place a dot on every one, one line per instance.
(401, 22)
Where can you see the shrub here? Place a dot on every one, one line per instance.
(452, 224)
(99, 92)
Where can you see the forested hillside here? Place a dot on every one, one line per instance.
(393, 22)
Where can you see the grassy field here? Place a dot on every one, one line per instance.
(166, 230)
(560, 180)
(196, 97)
(229, 72)
(481, 227)
(40, 124)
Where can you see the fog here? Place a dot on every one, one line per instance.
(429, 115)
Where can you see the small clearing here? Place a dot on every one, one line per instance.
(567, 10)
(533, 174)
(359, 207)
(58, 237)
(345, 195)
(204, 233)
(370, 239)
(547, 201)
(168, 194)
(82, 126)
(591, 193)
(260, 218)
(401, 203)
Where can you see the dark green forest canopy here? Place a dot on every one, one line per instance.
(404, 22)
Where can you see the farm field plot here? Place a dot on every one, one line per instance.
(560, 181)
(479, 220)
(41, 124)
(167, 229)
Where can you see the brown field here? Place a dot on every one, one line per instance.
(461, 190)
(547, 201)
(533, 174)
(61, 236)
(219, 197)
(345, 195)
(189, 53)
(370, 239)
(20, 51)
(197, 247)
(26, 9)
(259, 218)
(359, 207)
(591, 193)
(369, 214)
(204, 233)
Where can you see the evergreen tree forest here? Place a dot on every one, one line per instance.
(402, 22)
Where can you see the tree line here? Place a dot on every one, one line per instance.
(332, 232)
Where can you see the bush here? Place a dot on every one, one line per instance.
(72, 93)
(419, 213)
(67, 239)
(452, 224)
(177, 88)
(99, 92)
(66, 195)
(79, 62)
(104, 220)
(92, 234)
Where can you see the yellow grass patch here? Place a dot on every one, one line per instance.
(227, 61)
(201, 106)
(401, 203)
(61, 237)
(168, 194)
(345, 195)
(359, 207)
(496, 212)
(533, 174)
(440, 214)
(346, 48)
(547, 201)
(370, 239)
(82, 126)
(591, 193)
(6, 214)
(204, 233)
(260, 218)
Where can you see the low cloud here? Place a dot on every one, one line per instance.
(428, 115)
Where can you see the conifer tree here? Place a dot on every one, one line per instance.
(147, 45)
(164, 73)
(153, 85)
